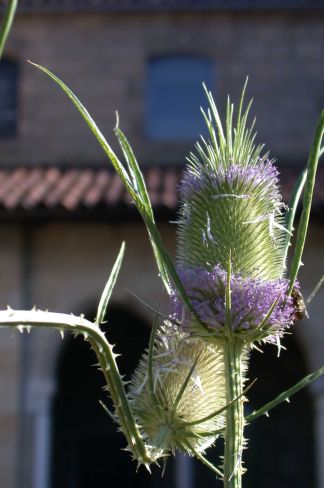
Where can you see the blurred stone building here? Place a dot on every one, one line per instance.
(64, 215)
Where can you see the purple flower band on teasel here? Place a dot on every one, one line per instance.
(264, 174)
(251, 300)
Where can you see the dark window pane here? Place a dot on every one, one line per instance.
(174, 96)
(8, 98)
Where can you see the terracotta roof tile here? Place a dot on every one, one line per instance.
(23, 184)
(73, 189)
(169, 193)
(37, 193)
(116, 5)
(114, 193)
(94, 193)
(153, 182)
(10, 180)
(65, 184)
(74, 196)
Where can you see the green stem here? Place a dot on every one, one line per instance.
(234, 414)
(7, 22)
(290, 216)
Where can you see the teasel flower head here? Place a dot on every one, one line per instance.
(231, 207)
(260, 309)
(178, 396)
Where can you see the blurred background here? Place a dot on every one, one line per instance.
(64, 215)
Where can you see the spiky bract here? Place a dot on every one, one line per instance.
(188, 385)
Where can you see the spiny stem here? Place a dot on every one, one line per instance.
(234, 438)
(106, 358)
(233, 349)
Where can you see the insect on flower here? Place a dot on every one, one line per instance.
(300, 307)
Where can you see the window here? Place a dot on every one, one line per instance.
(8, 98)
(174, 95)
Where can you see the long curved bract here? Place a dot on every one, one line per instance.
(7, 23)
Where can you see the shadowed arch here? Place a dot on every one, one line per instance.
(281, 451)
(87, 449)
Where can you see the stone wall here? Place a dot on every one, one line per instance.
(103, 57)
(10, 347)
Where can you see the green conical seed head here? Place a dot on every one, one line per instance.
(188, 385)
(231, 203)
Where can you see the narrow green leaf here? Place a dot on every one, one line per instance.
(152, 309)
(165, 265)
(108, 412)
(95, 130)
(286, 394)
(7, 23)
(172, 272)
(313, 293)
(133, 167)
(143, 201)
(212, 134)
(216, 116)
(307, 202)
(264, 320)
(209, 434)
(202, 458)
(150, 359)
(102, 307)
(229, 130)
(290, 215)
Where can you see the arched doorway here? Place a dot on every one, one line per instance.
(281, 448)
(87, 449)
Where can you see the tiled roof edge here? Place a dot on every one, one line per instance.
(163, 5)
(29, 189)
